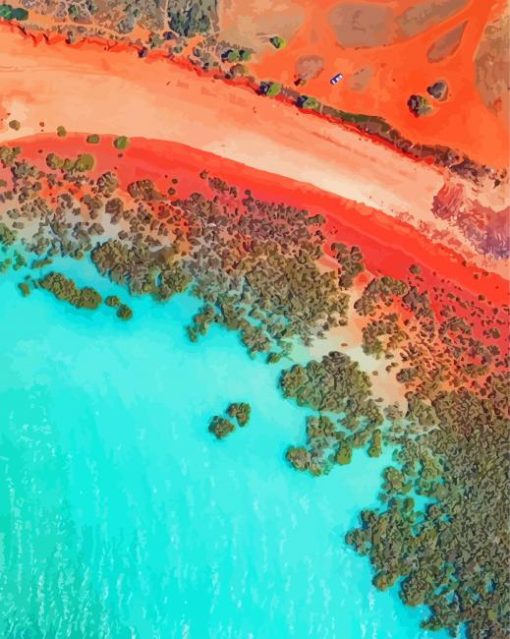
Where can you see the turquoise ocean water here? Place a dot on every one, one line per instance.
(122, 517)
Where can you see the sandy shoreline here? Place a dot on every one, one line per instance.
(101, 92)
(91, 89)
(389, 245)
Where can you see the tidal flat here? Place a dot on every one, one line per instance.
(149, 526)
(271, 277)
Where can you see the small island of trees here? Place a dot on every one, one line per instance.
(238, 412)
(241, 412)
(64, 289)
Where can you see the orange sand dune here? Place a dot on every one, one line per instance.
(92, 89)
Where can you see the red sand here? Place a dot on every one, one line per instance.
(88, 88)
(398, 71)
(390, 246)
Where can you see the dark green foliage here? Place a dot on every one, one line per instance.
(7, 236)
(278, 42)
(54, 162)
(189, 17)
(112, 300)
(375, 449)
(309, 103)
(83, 162)
(298, 457)
(93, 138)
(37, 264)
(140, 269)
(270, 89)
(335, 385)
(89, 298)
(8, 154)
(383, 580)
(144, 190)
(291, 293)
(344, 454)
(221, 427)
(124, 312)
(201, 322)
(121, 143)
(419, 105)
(19, 261)
(7, 12)
(232, 55)
(24, 287)
(383, 335)
(241, 412)
(350, 261)
(379, 293)
(66, 290)
(273, 358)
(453, 555)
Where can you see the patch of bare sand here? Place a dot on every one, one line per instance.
(308, 67)
(492, 65)
(372, 24)
(251, 23)
(359, 24)
(427, 14)
(359, 80)
(447, 44)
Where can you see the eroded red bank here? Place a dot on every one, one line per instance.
(390, 246)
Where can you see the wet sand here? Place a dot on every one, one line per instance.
(389, 245)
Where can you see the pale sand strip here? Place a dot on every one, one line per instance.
(93, 91)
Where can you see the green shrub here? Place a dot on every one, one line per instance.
(278, 42)
(124, 312)
(84, 162)
(274, 89)
(10, 13)
(240, 411)
(221, 427)
(112, 300)
(121, 143)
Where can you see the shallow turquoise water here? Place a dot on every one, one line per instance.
(120, 515)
